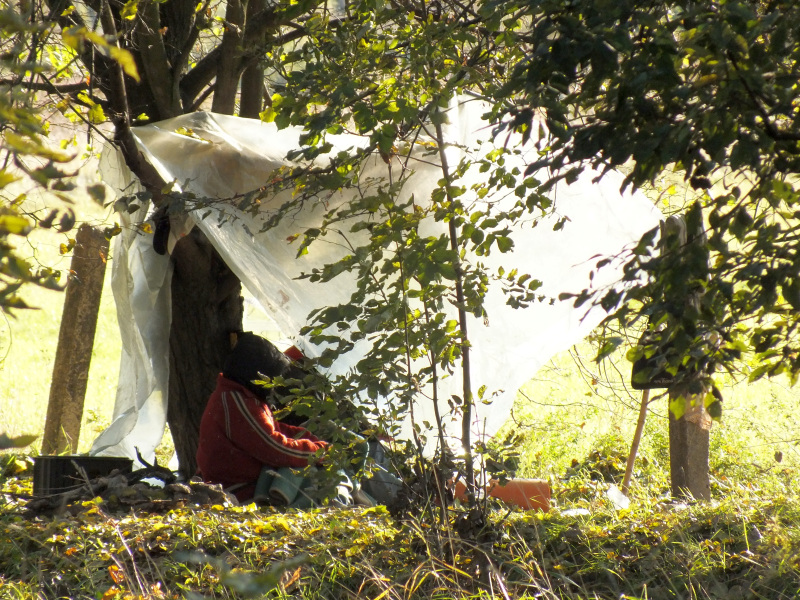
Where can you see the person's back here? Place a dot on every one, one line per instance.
(239, 437)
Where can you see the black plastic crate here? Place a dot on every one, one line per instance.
(57, 474)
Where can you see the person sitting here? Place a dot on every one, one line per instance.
(254, 455)
(239, 435)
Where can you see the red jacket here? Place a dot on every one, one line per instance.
(238, 436)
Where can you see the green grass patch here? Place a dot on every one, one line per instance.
(746, 544)
(574, 407)
(29, 338)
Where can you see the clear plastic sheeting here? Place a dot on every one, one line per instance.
(140, 281)
(219, 157)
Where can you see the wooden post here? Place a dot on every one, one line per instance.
(688, 435)
(75, 340)
(688, 450)
(637, 437)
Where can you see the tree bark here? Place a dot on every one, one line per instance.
(207, 306)
(252, 86)
(156, 67)
(75, 340)
(206, 69)
(252, 94)
(230, 60)
(689, 452)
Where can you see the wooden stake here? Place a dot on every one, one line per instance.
(75, 341)
(637, 437)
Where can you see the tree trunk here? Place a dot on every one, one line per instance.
(207, 306)
(252, 93)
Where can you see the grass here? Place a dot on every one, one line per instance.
(744, 544)
(29, 338)
(574, 406)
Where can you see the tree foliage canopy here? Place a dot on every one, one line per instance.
(707, 90)
(24, 153)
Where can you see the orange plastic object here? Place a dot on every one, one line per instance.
(527, 494)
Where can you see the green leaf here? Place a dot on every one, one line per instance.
(607, 348)
(97, 193)
(21, 441)
(677, 406)
(72, 38)
(14, 224)
(66, 222)
(126, 61)
(505, 243)
(715, 410)
(129, 10)
(6, 178)
(447, 270)
(268, 116)
(96, 114)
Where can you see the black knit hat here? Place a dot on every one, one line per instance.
(253, 357)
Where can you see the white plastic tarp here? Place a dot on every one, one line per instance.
(218, 157)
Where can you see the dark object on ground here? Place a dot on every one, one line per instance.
(58, 474)
(154, 471)
(383, 485)
(122, 492)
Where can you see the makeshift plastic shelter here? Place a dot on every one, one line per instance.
(215, 156)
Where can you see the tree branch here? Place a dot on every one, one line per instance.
(230, 59)
(252, 88)
(182, 62)
(150, 45)
(88, 123)
(771, 129)
(63, 89)
(118, 100)
(207, 67)
(466, 378)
